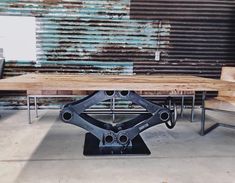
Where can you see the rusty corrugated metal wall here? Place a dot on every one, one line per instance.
(86, 36)
(202, 35)
(194, 36)
(121, 36)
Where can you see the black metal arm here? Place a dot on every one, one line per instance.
(122, 134)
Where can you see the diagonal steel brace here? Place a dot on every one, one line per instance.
(122, 134)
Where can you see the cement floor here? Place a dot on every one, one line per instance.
(50, 151)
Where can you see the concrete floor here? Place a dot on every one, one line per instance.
(50, 151)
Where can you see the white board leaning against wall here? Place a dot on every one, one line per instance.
(18, 37)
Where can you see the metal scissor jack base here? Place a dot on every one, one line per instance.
(123, 138)
(92, 148)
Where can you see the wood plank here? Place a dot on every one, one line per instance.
(114, 82)
(221, 103)
(227, 74)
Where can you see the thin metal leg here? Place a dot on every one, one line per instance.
(203, 114)
(226, 125)
(170, 103)
(192, 110)
(113, 108)
(216, 125)
(28, 109)
(182, 106)
(36, 107)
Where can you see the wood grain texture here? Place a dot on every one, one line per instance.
(227, 74)
(226, 99)
(114, 82)
(221, 103)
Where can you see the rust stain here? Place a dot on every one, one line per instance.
(78, 5)
(119, 53)
(16, 5)
(52, 2)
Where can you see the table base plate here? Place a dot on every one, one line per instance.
(91, 147)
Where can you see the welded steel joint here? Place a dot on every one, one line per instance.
(122, 134)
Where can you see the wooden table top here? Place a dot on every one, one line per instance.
(30, 82)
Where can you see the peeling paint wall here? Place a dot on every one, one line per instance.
(86, 36)
(121, 36)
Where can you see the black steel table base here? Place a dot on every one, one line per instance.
(92, 148)
(122, 138)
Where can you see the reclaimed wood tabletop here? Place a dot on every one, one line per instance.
(91, 82)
